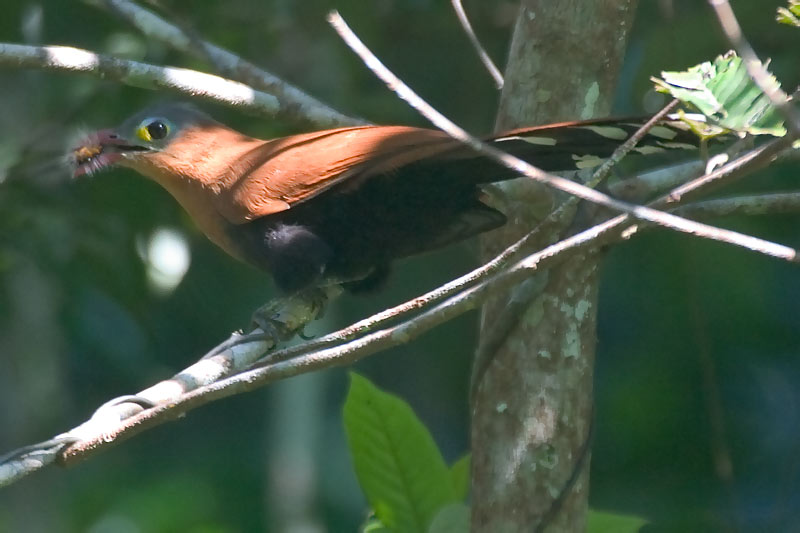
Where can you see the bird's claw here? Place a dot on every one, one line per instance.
(303, 335)
(281, 319)
(262, 319)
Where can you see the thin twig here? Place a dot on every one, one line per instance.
(754, 204)
(640, 212)
(293, 102)
(754, 158)
(754, 66)
(196, 41)
(651, 182)
(604, 170)
(494, 72)
(640, 187)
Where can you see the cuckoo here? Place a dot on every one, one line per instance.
(340, 205)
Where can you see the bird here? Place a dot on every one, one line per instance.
(339, 206)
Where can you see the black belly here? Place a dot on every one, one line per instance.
(353, 232)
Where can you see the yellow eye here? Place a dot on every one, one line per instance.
(152, 130)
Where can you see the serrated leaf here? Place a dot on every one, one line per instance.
(724, 92)
(459, 474)
(397, 463)
(452, 518)
(601, 522)
(790, 15)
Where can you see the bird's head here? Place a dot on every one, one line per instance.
(140, 137)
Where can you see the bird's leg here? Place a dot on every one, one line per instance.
(283, 318)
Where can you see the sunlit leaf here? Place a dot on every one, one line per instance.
(397, 463)
(723, 91)
(790, 15)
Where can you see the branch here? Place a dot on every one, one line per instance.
(640, 187)
(604, 170)
(494, 72)
(518, 165)
(756, 204)
(344, 354)
(179, 80)
(283, 318)
(651, 182)
(293, 102)
(187, 82)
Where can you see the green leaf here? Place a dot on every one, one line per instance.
(397, 463)
(452, 518)
(459, 474)
(600, 522)
(374, 525)
(724, 92)
(790, 15)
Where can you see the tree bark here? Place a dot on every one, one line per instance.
(532, 403)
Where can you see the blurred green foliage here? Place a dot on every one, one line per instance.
(697, 368)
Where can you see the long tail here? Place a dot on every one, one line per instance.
(585, 144)
(566, 146)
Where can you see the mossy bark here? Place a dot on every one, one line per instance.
(532, 405)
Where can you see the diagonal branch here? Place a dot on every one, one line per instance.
(343, 354)
(285, 318)
(648, 214)
(755, 204)
(134, 73)
(494, 72)
(292, 101)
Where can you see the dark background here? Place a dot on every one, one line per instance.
(697, 365)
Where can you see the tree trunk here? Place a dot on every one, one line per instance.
(532, 395)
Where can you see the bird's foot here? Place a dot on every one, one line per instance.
(283, 318)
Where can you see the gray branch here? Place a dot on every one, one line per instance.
(293, 102)
(190, 83)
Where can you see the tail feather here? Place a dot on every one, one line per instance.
(577, 145)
